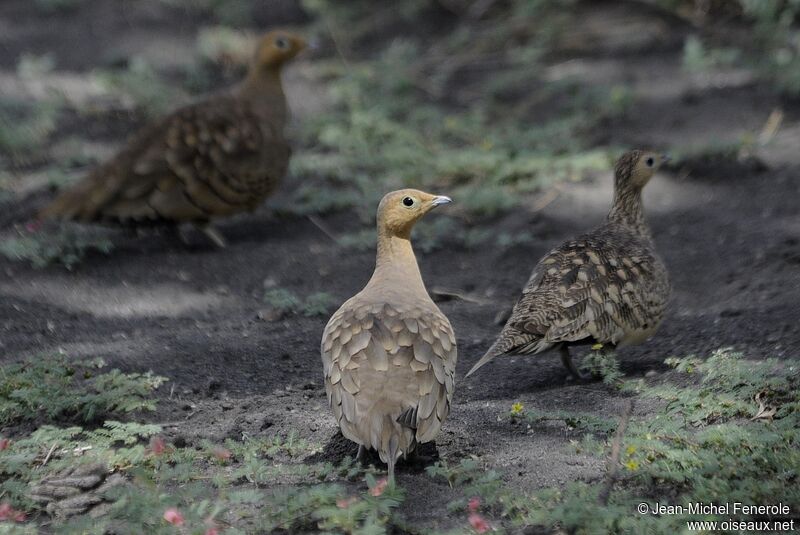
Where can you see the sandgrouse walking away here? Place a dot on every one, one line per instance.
(215, 158)
(608, 286)
(389, 354)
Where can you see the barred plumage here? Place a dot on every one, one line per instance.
(608, 286)
(215, 158)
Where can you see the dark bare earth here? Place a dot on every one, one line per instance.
(729, 232)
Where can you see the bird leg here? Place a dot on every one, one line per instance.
(566, 359)
(213, 234)
(361, 456)
(391, 464)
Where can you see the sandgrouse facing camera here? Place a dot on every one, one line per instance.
(389, 354)
(608, 286)
(211, 159)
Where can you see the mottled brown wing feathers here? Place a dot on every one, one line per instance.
(596, 286)
(207, 160)
(603, 286)
(388, 373)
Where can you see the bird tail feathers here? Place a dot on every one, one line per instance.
(506, 343)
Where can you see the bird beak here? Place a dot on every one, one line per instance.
(665, 158)
(441, 199)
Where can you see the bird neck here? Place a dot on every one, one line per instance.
(263, 91)
(396, 260)
(628, 210)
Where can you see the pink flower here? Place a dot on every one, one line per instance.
(474, 504)
(222, 454)
(174, 517)
(9, 513)
(157, 446)
(379, 487)
(4, 443)
(33, 226)
(212, 526)
(478, 523)
(344, 503)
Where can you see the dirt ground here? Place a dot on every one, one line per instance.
(729, 232)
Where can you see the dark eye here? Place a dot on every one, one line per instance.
(650, 162)
(281, 42)
(408, 201)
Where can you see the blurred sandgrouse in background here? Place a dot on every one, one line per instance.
(214, 158)
(389, 354)
(608, 286)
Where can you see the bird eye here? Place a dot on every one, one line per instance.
(408, 201)
(281, 42)
(650, 162)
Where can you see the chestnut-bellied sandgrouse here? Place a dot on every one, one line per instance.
(608, 286)
(389, 354)
(214, 158)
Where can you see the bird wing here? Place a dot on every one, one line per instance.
(385, 365)
(598, 286)
(205, 160)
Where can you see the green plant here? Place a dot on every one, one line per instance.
(25, 128)
(730, 433)
(588, 423)
(331, 508)
(287, 302)
(697, 57)
(399, 120)
(67, 246)
(603, 364)
(362, 240)
(474, 479)
(318, 304)
(116, 444)
(143, 88)
(55, 388)
(282, 299)
(243, 495)
(772, 35)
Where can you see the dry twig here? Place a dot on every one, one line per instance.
(613, 460)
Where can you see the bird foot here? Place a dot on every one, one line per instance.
(575, 374)
(361, 456)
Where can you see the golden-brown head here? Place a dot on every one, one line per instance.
(399, 210)
(635, 168)
(276, 48)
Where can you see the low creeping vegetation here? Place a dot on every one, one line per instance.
(771, 35)
(258, 485)
(285, 301)
(452, 114)
(732, 434)
(55, 389)
(727, 429)
(66, 246)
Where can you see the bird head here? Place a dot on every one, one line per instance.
(635, 168)
(276, 48)
(399, 210)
